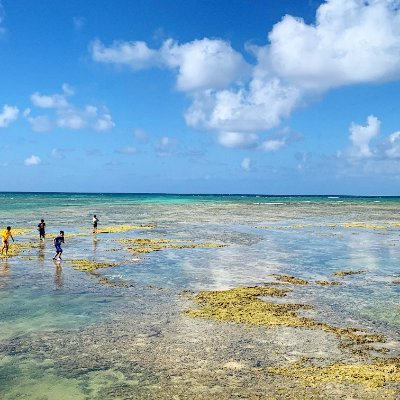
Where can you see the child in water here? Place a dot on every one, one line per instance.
(5, 236)
(57, 244)
(41, 227)
(95, 221)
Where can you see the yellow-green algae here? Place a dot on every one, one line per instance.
(372, 375)
(346, 273)
(19, 247)
(124, 228)
(328, 283)
(243, 305)
(291, 279)
(20, 231)
(88, 265)
(364, 225)
(145, 245)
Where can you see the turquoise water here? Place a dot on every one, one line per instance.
(51, 312)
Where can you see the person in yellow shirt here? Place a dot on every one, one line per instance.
(5, 236)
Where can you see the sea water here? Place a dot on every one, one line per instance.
(310, 237)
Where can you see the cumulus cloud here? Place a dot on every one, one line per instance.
(41, 123)
(136, 55)
(32, 160)
(203, 64)
(8, 115)
(66, 115)
(361, 136)
(245, 164)
(237, 139)
(393, 148)
(200, 64)
(272, 144)
(350, 42)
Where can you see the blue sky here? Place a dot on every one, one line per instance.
(200, 96)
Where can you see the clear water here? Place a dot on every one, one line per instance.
(41, 302)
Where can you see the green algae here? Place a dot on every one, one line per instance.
(243, 305)
(291, 279)
(124, 228)
(342, 274)
(88, 265)
(145, 245)
(372, 375)
(15, 248)
(328, 283)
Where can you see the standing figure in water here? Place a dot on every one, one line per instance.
(57, 244)
(5, 236)
(95, 221)
(41, 228)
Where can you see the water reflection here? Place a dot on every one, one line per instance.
(5, 267)
(41, 253)
(58, 275)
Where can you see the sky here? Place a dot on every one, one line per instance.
(200, 96)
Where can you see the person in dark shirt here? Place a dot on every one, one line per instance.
(41, 228)
(57, 244)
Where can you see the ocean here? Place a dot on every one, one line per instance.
(120, 331)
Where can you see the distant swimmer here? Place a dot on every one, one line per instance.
(5, 236)
(41, 229)
(95, 221)
(57, 244)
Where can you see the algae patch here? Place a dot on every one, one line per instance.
(327, 283)
(16, 248)
(88, 265)
(124, 228)
(347, 273)
(291, 279)
(372, 375)
(145, 245)
(243, 305)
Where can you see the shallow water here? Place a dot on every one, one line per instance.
(61, 325)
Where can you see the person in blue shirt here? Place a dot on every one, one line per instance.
(57, 244)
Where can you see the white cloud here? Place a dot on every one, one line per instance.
(204, 64)
(272, 144)
(237, 139)
(246, 164)
(49, 101)
(8, 115)
(41, 123)
(66, 115)
(136, 55)
(32, 160)
(351, 41)
(393, 150)
(361, 136)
